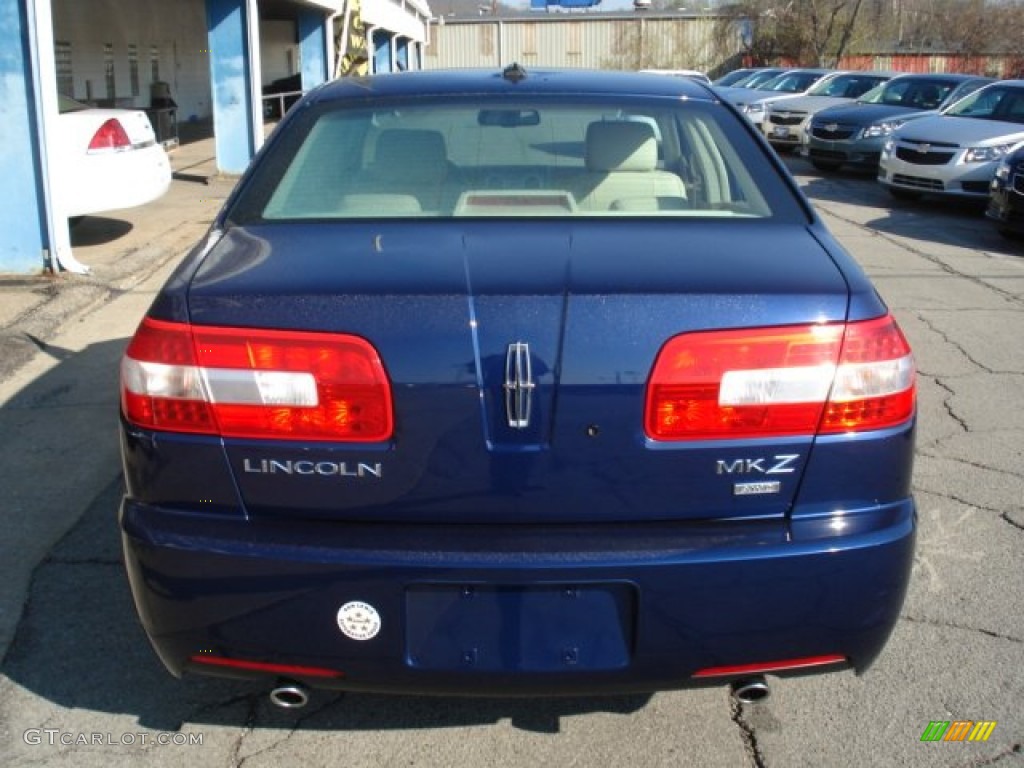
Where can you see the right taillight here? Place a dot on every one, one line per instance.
(111, 137)
(781, 381)
(255, 383)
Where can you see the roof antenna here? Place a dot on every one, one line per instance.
(513, 72)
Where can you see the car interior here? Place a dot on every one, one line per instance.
(515, 161)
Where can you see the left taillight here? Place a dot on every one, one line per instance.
(111, 137)
(781, 381)
(255, 383)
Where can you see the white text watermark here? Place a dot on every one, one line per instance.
(55, 737)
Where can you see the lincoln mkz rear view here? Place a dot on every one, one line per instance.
(521, 382)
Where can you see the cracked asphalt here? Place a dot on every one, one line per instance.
(80, 685)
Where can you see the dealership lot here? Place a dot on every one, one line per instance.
(81, 686)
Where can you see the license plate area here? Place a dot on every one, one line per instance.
(514, 628)
(780, 131)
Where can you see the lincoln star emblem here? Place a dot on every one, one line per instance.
(519, 385)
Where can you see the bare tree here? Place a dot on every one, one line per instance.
(968, 28)
(807, 32)
(820, 32)
(771, 32)
(830, 28)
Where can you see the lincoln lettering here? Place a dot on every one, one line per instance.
(357, 469)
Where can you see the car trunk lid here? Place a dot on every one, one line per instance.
(519, 359)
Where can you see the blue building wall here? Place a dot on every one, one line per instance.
(21, 198)
(312, 37)
(382, 51)
(230, 76)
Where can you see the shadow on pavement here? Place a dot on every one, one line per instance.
(964, 222)
(79, 645)
(98, 230)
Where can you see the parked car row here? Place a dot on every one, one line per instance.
(854, 133)
(951, 135)
(785, 119)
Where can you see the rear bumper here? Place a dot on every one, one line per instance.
(485, 610)
(107, 182)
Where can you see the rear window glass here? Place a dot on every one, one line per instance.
(521, 159)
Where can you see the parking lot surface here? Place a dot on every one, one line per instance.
(80, 685)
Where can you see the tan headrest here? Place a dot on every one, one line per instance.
(621, 146)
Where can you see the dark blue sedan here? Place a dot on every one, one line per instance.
(517, 382)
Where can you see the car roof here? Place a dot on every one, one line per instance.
(509, 81)
(822, 70)
(1014, 83)
(958, 77)
(799, 71)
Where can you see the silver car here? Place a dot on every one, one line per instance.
(751, 79)
(955, 153)
(752, 102)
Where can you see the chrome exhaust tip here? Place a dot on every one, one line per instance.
(290, 695)
(750, 691)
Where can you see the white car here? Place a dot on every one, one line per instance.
(106, 159)
(955, 153)
(752, 102)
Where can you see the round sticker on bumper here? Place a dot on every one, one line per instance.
(358, 620)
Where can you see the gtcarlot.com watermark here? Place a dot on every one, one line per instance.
(55, 737)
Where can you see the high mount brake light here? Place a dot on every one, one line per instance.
(111, 136)
(254, 383)
(780, 381)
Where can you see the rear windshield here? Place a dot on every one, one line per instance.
(523, 159)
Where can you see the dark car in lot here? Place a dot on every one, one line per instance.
(1006, 195)
(517, 382)
(280, 95)
(853, 134)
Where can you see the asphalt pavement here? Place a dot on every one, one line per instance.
(61, 337)
(80, 686)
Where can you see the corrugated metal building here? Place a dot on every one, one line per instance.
(647, 40)
(587, 40)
